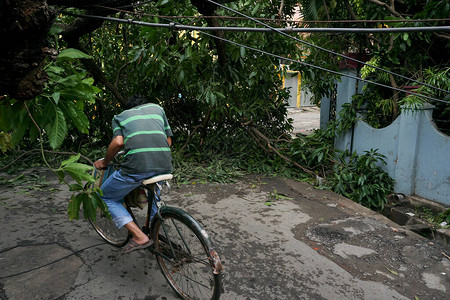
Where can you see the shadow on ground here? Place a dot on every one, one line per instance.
(278, 239)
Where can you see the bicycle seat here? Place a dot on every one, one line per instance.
(158, 178)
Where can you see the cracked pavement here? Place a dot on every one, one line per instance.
(308, 244)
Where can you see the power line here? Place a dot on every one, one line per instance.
(130, 21)
(335, 30)
(267, 19)
(174, 26)
(326, 50)
(324, 69)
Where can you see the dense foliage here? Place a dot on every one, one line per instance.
(413, 54)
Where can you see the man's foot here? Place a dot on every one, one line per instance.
(133, 246)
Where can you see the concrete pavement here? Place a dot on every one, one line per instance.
(308, 244)
(305, 119)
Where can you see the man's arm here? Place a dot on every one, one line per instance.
(113, 148)
(169, 140)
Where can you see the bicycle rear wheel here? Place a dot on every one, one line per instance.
(108, 230)
(186, 259)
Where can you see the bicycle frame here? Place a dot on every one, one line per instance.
(153, 199)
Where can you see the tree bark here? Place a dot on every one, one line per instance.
(23, 31)
(389, 8)
(207, 8)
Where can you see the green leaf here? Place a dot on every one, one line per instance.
(60, 174)
(242, 52)
(255, 9)
(20, 125)
(75, 187)
(72, 159)
(5, 142)
(89, 207)
(98, 191)
(78, 172)
(56, 96)
(220, 95)
(88, 81)
(55, 69)
(180, 76)
(73, 208)
(58, 129)
(76, 115)
(72, 53)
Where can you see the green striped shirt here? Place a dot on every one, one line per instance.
(145, 130)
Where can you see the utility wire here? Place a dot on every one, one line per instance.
(266, 19)
(324, 69)
(288, 29)
(172, 26)
(320, 68)
(326, 50)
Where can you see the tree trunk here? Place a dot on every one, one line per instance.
(23, 33)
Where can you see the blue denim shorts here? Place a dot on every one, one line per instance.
(115, 188)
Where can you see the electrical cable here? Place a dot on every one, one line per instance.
(326, 50)
(47, 264)
(325, 69)
(267, 19)
(411, 29)
(287, 29)
(172, 26)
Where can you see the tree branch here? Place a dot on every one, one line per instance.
(350, 10)
(385, 5)
(326, 9)
(443, 36)
(259, 135)
(46, 151)
(280, 10)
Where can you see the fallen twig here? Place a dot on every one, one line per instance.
(257, 134)
(46, 151)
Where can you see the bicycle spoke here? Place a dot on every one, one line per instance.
(181, 236)
(189, 272)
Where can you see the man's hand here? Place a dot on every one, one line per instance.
(100, 164)
(113, 148)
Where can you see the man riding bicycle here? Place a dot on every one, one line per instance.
(144, 133)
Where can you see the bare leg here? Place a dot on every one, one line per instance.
(138, 236)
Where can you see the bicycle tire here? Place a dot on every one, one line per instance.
(191, 274)
(106, 228)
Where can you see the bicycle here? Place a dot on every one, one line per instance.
(184, 252)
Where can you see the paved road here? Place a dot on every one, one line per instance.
(309, 244)
(305, 119)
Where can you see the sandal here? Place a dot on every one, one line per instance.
(133, 246)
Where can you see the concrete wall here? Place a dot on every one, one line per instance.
(417, 154)
(298, 96)
(384, 139)
(433, 166)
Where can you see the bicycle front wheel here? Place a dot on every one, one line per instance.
(185, 256)
(106, 228)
